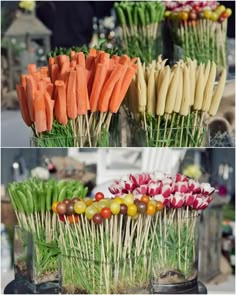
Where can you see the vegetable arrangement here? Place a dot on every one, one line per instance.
(201, 28)
(139, 22)
(38, 227)
(150, 224)
(75, 95)
(169, 103)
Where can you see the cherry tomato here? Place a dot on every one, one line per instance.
(159, 206)
(137, 201)
(154, 202)
(75, 199)
(89, 202)
(54, 207)
(207, 14)
(115, 208)
(61, 208)
(220, 9)
(151, 209)
(167, 13)
(70, 208)
(192, 15)
(145, 199)
(129, 199)
(214, 16)
(105, 202)
(62, 218)
(224, 14)
(142, 207)
(135, 216)
(66, 201)
(118, 199)
(132, 210)
(123, 209)
(99, 196)
(183, 15)
(97, 218)
(196, 8)
(229, 12)
(80, 207)
(106, 213)
(73, 218)
(90, 212)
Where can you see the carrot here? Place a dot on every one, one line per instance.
(88, 62)
(36, 76)
(116, 58)
(43, 72)
(32, 68)
(92, 52)
(30, 88)
(49, 89)
(99, 80)
(61, 59)
(73, 55)
(81, 59)
(124, 59)
(120, 89)
(60, 102)
(133, 60)
(73, 64)
(51, 60)
(108, 87)
(49, 110)
(20, 90)
(81, 91)
(111, 65)
(90, 77)
(40, 112)
(64, 72)
(54, 71)
(104, 58)
(23, 81)
(42, 85)
(71, 104)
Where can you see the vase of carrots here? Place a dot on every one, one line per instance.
(73, 100)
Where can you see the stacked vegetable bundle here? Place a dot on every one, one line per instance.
(201, 28)
(32, 201)
(169, 104)
(75, 96)
(139, 22)
(150, 224)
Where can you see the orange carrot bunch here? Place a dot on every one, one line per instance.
(70, 87)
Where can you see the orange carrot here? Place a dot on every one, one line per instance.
(23, 104)
(30, 89)
(54, 71)
(64, 72)
(71, 103)
(73, 55)
(105, 58)
(42, 85)
(124, 59)
(51, 60)
(108, 87)
(120, 89)
(49, 110)
(40, 111)
(99, 80)
(81, 59)
(133, 60)
(73, 64)
(88, 62)
(60, 102)
(92, 52)
(61, 59)
(116, 58)
(43, 72)
(81, 91)
(90, 77)
(36, 76)
(49, 89)
(32, 68)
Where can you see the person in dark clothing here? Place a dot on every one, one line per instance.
(71, 21)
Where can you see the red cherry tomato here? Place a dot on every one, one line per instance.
(106, 212)
(196, 8)
(145, 199)
(99, 196)
(61, 208)
(224, 14)
(97, 218)
(62, 218)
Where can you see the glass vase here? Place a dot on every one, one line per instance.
(36, 262)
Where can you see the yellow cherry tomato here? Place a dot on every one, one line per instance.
(167, 13)
(115, 208)
(106, 202)
(135, 216)
(151, 209)
(118, 200)
(183, 15)
(132, 210)
(228, 12)
(214, 16)
(79, 207)
(207, 14)
(220, 9)
(88, 201)
(145, 199)
(90, 212)
(54, 206)
(129, 199)
(154, 202)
